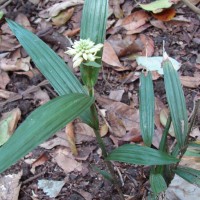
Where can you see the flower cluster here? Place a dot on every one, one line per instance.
(84, 51)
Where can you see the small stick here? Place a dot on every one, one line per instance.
(33, 178)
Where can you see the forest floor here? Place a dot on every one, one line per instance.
(23, 88)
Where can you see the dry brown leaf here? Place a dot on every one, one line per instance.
(10, 186)
(31, 73)
(189, 81)
(104, 130)
(15, 65)
(84, 129)
(63, 17)
(57, 141)
(58, 7)
(148, 43)
(6, 94)
(66, 161)
(23, 20)
(8, 124)
(116, 95)
(41, 96)
(118, 127)
(118, 12)
(126, 115)
(4, 79)
(8, 43)
(158, 24)
(71, 33)
(39, 161)
(165, 15)
(69, 130)
(139, 29)
(110, 57)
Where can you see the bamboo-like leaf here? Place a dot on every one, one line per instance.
(146, 95)
(41, 124)
(189, 174)
(94, 18)
(176, 101)
(47, 61)
(142, 155)
(157, 183)
(104, 173)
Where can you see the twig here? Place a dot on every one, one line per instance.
(5, 4)
(191, 6)
(33, 178)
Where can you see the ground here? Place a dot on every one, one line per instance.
(117, 85)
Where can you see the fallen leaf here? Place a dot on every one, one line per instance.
(158, 24)
(157, 6)
(154, 63)
(84, 129)
(103, 130)
(196, 134)
(8, 124)
(148, 45)
(84, 194)
(58, 7)
(57, 141)
(4, 79)
(65, 160)
(6, 94)
(15, 65)
(41, 96)
(8, 43)
(189, 81)
(116, 95)
(181, 189)
(110, 57)
(39, 161)
(50, 187)
(10, 186)
(69, 130)
(118, 12)
(23, 20)
(126, 116)
(166, 15)
(63, 17)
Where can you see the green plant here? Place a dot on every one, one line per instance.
(77, 100)
(161, 172)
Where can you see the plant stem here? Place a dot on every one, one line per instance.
(109, 164)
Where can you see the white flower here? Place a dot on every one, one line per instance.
(84, 51)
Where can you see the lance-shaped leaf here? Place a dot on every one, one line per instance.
(41, 124)
(189, 174)
(141, 155)
(146, 95)
(176, 101)
(157, 183)
(47, 61)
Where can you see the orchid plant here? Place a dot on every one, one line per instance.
(77, 100)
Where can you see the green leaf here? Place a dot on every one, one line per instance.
(141, 155)
(104, 173)
(47, 61)
(157, 183)
(189, 174)
(92, 64)
(146, 96)
(41, 124)
(156, 6)
(94, 19)
(176, 101)
(1, 14)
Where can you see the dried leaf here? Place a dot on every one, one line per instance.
(166, 15)
(189, 81)
(63, 17)
(56, 8)
(148, 43)
(110, 57)
(158, 24)
(39, 161)
(118, 12)
(116, 95)
(15, 65)
(6, 94)
(8, 124)
(23, 20)
(4, 79)
(50, 187)
(104, 130)
(41, 96)
(66, 161)
(10, 186)
(69, 130)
